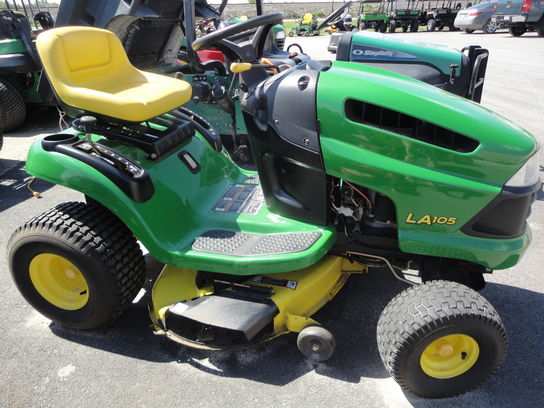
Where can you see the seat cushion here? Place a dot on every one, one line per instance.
(89, 70)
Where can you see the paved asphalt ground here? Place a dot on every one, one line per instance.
(44, 365)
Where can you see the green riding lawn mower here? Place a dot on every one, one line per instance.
(306, 26)
(380, 171)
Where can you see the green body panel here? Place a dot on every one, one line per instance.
(218, 118)
(10, 46)
(181, 207)
(374, 17)
(440, 56)
(435, 190)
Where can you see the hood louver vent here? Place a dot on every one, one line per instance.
(409, 126)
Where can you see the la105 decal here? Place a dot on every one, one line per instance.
(430, 220)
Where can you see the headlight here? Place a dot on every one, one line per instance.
(528, 174)
(280, 35)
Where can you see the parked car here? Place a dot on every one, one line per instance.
(477, 17)
(520, 16)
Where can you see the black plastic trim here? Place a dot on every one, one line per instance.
(131, 178)
(505, 216)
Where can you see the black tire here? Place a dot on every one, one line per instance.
(431, 25)
(392, 26)
(489, 27)
(306, 33)
(404, 28)
(316, 343)
(414, 27)
(470, 30)
(12, 106)
(77, 264)
(383, 27)
(517, 31)
(414, 345)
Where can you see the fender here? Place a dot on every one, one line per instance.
(181, 206)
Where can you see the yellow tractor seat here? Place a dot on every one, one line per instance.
(90, 71)
(307, 19)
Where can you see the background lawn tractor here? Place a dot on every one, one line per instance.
(20, 69)
(305, 27)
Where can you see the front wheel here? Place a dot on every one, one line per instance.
(77, 264)
(489, 27)
(431, 25)
(441, 339)
(392, 26)
(316, 343)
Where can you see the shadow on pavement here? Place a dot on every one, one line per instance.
(14, 186)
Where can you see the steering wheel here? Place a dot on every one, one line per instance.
(336, 16)
(246, 51)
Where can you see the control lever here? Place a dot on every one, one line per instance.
(88, 122)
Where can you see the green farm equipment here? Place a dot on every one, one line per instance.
(357, 168)
(305, 27)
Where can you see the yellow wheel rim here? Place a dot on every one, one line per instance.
(449, 356)
(59, 281)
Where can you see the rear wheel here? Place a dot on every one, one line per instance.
(12, 106)
(517, 31)
(441, 339)
(77, 264)
(431, 25)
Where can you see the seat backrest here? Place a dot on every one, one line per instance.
(307, 19)
(84, 57)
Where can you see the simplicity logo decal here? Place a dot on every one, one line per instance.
(365, 52)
